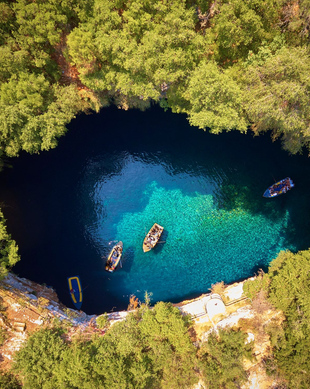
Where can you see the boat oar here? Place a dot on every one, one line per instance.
(162, 241)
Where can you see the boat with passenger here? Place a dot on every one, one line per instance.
(279, 187)
(152, 237)
(76, 292)
(114, 257)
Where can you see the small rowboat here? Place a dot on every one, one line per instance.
(152, 237)
(114, 257)
(279, 187)
(75, 291)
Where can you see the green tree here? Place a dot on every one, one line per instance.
(239, 26)
(136, 49)
(75, 369)
(261, 283)
(7, 21)
(276, 97)
(103, 321)
(34, 114)
(214, 100)
(289, 292)
(122, 360)
(222, 359)
(266, 51)
(37, 361)
(12, 61)
(292, 271)
(8, 249)
(9, 381)
(171, 351)
(39, 29)
(150, 349)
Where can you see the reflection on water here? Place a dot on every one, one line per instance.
(107, 182)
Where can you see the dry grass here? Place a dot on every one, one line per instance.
(234, 307)
(260, 303)
(218, 288)
(202, 328)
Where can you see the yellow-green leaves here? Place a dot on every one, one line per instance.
(34, 114)
(8, 249)
(277, 97)
(139, 48)
(215, 99)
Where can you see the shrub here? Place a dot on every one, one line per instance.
(252, 287)
(9, 381)
(37, 360)
(103, 321)
(222, 358)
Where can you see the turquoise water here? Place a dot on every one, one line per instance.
(115, 174)
(202, 243)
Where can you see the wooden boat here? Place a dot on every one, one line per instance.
(114, 257)
(75, 289)
(279, 187)
(152, 237)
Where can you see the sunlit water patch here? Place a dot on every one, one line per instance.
(202, 244)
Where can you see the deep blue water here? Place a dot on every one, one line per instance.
(116, 173)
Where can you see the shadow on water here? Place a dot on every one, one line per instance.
(232, 196)
(256, 269)
(127, 259)
(161, 243)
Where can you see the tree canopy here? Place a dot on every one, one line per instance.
(151, 348)
(276, 97)
(215, 102)
(214, 61)
(222, 359)
(288, 286)
(136, 49)
(8, 249)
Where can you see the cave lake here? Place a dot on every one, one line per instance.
(117, 173)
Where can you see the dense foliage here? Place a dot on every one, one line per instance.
(222, 359)
(35, 103)
(8, 249)
(9, 381)
(289, 291)
(150, 349)
(288, 287)
(229, 64)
